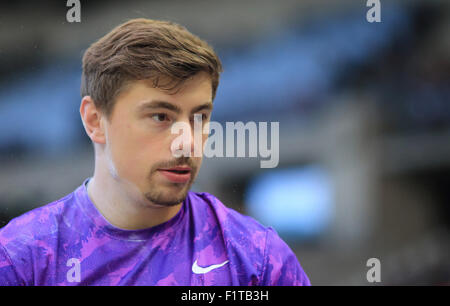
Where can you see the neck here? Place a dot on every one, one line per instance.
(124, 208)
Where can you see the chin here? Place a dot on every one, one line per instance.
(166, 198)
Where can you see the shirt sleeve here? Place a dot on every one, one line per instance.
(281, 266)
(8, 275)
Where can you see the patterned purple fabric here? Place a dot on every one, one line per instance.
(68, 242)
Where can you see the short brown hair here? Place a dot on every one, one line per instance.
(144, 49)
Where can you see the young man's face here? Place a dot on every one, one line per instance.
(139, 139)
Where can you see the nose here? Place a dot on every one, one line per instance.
(183, 144)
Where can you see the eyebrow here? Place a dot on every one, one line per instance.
(155, 104)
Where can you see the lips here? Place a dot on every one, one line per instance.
(178, 169)
(178, 174)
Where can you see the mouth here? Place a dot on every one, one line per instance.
(177, 174)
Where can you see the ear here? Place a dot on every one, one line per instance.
(93, 120)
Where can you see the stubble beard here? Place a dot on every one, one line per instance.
(169, 194)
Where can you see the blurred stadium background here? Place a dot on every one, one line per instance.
(364, 116)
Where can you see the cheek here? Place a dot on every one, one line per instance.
(123, 139)
(137, 148)
(129, 151)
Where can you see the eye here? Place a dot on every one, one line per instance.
(204, 117)
(159, 117)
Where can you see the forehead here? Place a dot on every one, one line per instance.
(192, 92)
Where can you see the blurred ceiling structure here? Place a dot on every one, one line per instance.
(26, 25)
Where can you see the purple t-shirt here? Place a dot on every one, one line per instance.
(68, 242)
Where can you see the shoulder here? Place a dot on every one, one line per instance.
(281, 267)
(34, 226)
(36, 221)
(253, 244)
(231, 221)
(27, 237)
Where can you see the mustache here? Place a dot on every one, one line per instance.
(182, 161)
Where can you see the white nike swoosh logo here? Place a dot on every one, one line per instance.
(202, 270)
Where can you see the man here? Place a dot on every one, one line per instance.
(135, 222)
